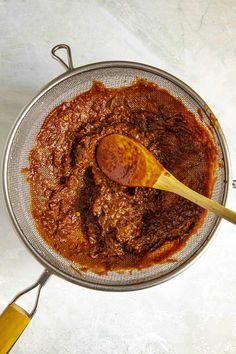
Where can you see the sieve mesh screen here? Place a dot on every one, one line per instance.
(21, 142)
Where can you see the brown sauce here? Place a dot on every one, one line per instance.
(96, 222)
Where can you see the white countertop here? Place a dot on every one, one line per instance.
(195, 41)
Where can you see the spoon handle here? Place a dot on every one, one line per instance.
(168, 182)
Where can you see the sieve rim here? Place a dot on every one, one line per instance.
(42, 260)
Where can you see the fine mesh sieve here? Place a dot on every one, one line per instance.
(16, 189)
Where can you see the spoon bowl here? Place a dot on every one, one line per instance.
(127, 162)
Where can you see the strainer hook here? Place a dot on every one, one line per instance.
(68, 66)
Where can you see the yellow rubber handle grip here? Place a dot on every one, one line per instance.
(13, 321)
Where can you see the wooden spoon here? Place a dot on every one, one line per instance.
(129, 163)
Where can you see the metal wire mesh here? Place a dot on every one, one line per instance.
(21, 142)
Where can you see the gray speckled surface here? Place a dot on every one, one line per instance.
(194, 40)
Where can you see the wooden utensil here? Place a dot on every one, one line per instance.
(129, 163)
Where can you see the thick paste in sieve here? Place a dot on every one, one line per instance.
(96, 222)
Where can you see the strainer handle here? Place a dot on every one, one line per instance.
(69, 65)
(15, 319)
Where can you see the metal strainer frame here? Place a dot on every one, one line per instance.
(71, 72)
(77, 278)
